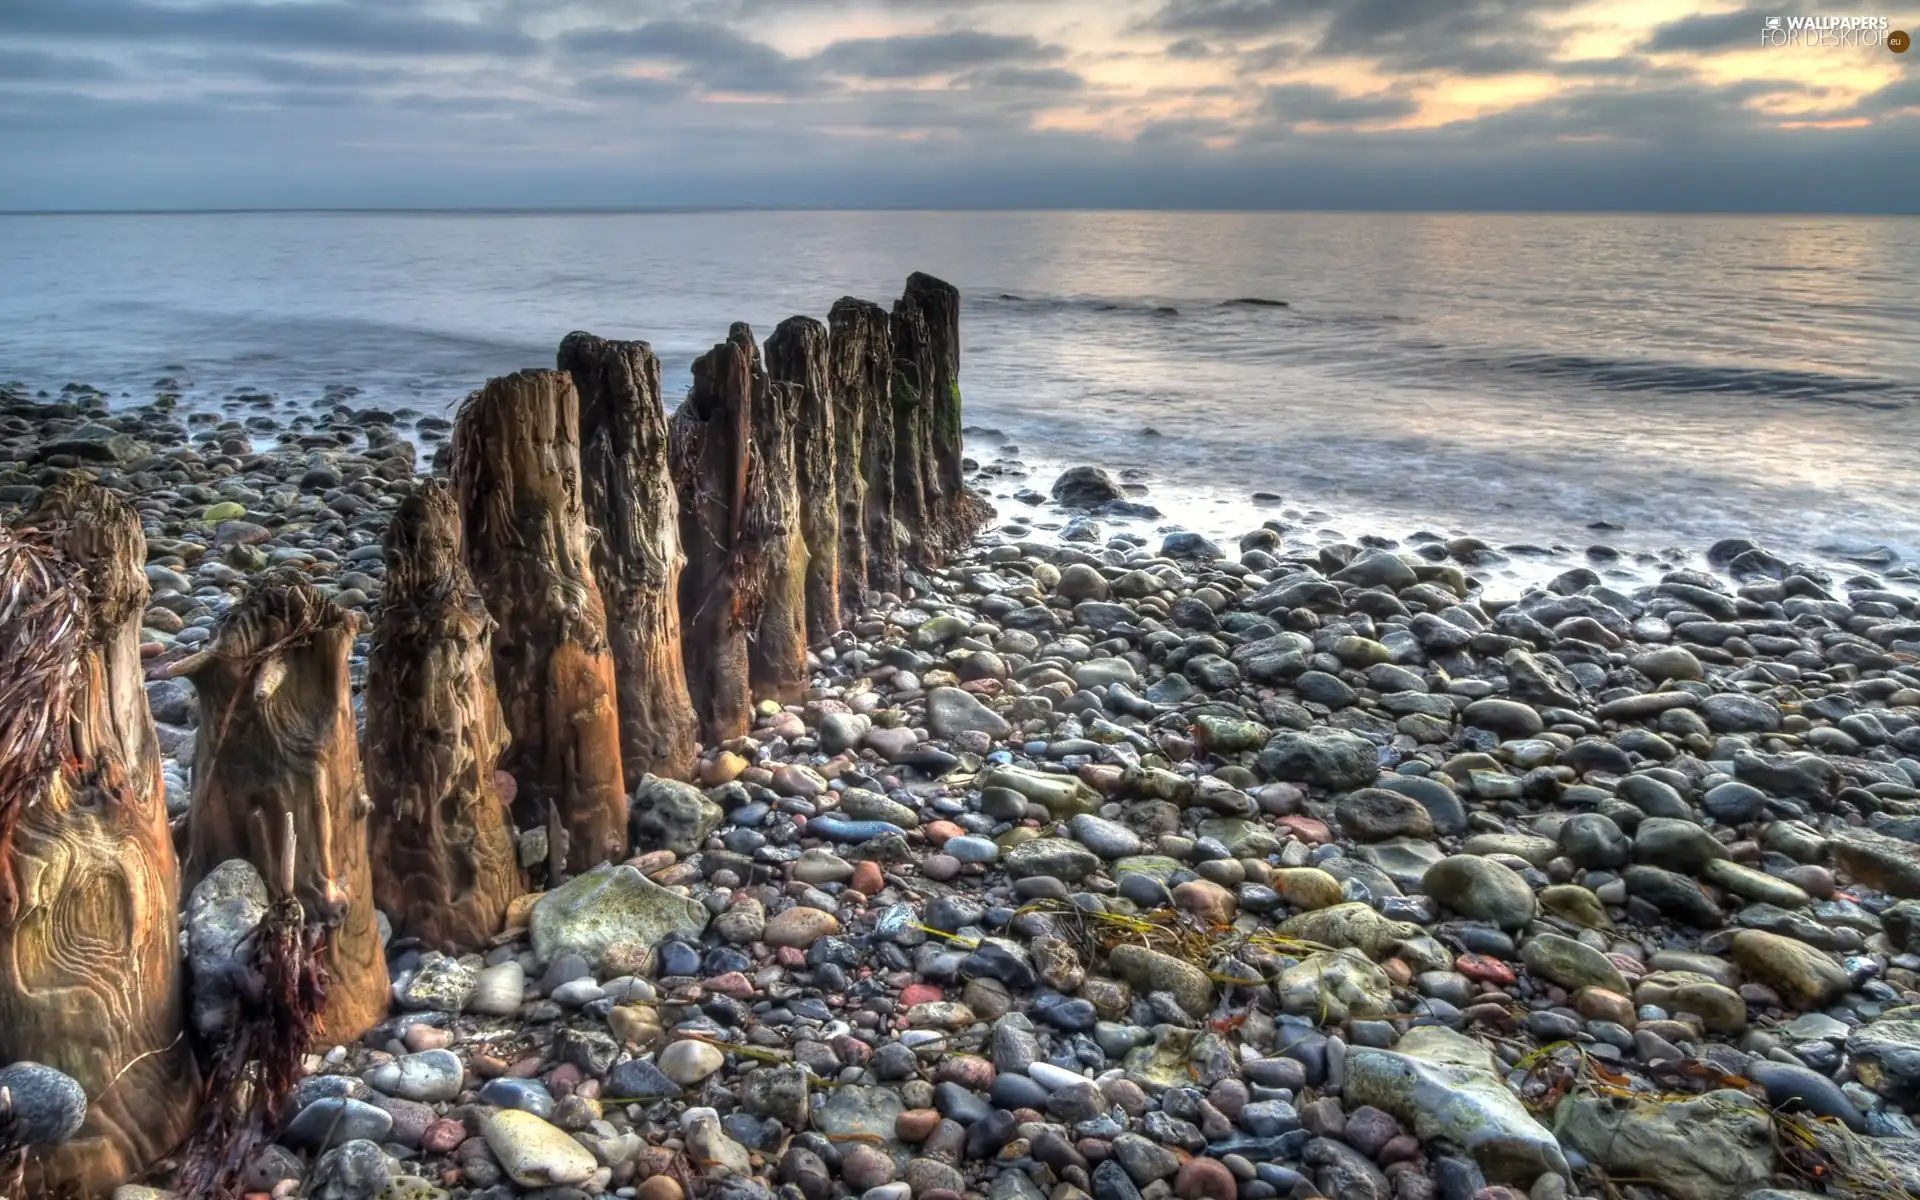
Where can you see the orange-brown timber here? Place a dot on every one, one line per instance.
(89, 924)
(516, 472)
(444, 865)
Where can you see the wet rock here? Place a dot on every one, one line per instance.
(1334, 759)
(1713, 1147)
(673, 816)
(610, 906)
(47, 1106)
(1481, 889)
(1804, 977)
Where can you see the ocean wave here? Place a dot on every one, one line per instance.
(1683, 378)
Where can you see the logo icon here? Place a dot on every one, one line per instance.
(1773, 22)
(1898, 41)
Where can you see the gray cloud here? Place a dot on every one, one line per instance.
(709, 55)
(357, 26)
(931, 54)
(1191, 47)
(1739, 30)
(1299, 102)
(1032, 79)
(35, 66)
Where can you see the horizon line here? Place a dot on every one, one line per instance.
(693, 209)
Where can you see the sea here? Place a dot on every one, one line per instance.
(1646, 382)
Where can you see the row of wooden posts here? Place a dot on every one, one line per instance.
(596, 592)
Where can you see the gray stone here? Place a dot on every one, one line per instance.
(1060, 858)
(1573, 965)
(1713, 1147)
(47, 1106)
(1335, 759)
(1481, 890)
(1449, 1088)
(670, 815)
(951, 712)
(1108, 839)
(1334, 987)
(608, 906)
(223, 909)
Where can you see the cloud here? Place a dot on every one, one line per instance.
(709, 55)
(35, 66)
(1738, 30)
(1031, 79)
(930, 54)
(1191, 47)
(358, 26)
(1295, 103)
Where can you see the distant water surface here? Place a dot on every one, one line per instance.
(1518, 377)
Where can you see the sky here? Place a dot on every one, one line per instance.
(1369, 104)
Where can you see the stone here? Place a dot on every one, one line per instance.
(1449, 1088)
(1881, 862)
(855, 1113)
(1086, 487)
(1376, 814)
(1057, 858)
(1108, 839)
(1353, 924)
(498, 990)
(1335, 986)
(47, 1106)
(609, 906)
(673, 816)
(951, 712)
(1307, 888)
(439, 984)
(1886, 1055)
(1508, 718)
(1720, 1008)
(1803, 976)
(688, 1061)
(1718, 1146)
(334, 1120)
(1573, 965)
(428, 1077)
(717, 1154)
(1152, 971)
(533, 1153)
(223, 908)
(800, 927)
(1334, 759)
(1481, 889)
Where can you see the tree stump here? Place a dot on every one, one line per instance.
(729, 530)
(277, 750)
(444, 860)
(516, 472)
(926, 331)
(860, 366)
(631, 505)
(797, 356)
(89, 885)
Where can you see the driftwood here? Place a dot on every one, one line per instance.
(89, 886)
(276, 755)
(859, 369)
(728, 529)
(797, 356)
(632, 508)
(940, 512)
(516, 471)
(444, 864)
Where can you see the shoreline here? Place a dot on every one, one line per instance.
(1443, 842)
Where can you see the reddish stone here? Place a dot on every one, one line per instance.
(524, 1068)
(939, 832)
(1101, 778)
(1402, 1148)
(732, 983)
(442, 1136)
(563, 1079)
(790, 957)
(1484, 969)
(506, 785)
(1205, 1179)
(866, 879)
(920, 993)
(1307, 829)
(915, 1124)
(1488, 1014)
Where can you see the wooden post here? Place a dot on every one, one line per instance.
(516, 472)
(777, 652)
(89, 886)
(634, 513)
(860, 359)
(926, 330)
(797, 356)
(444, 860)
(728, 531)
(276, 752)
(915, 488)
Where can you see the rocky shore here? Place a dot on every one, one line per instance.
(1132, 869)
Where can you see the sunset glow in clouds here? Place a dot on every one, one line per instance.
(1247, 103)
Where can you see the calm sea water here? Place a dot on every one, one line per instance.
(1516, 377)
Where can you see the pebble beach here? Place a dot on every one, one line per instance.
(1117, 861)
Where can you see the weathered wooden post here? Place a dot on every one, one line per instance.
(632, 508)
(89, 886)
(728, 530)
(860, 359)
(276, 752)
(516, 472)
(444, 864)
(777, 652)
(931, 456)
(797, 355)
